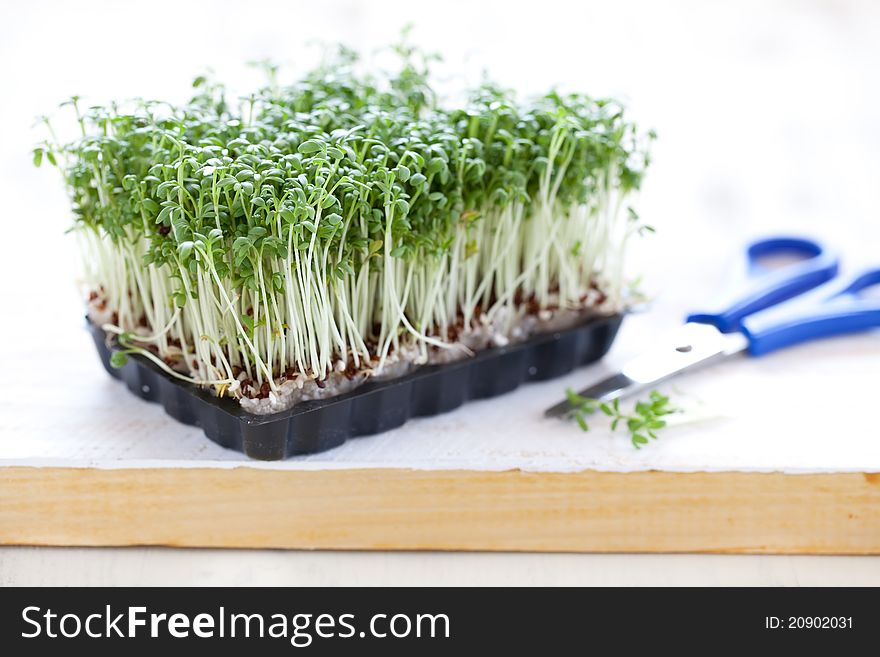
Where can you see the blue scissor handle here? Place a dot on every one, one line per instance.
(762, 288)
(832, 309)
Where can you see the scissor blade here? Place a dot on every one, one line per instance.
(607, 389)
(691, 347)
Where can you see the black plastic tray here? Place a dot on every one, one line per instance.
(376, 406)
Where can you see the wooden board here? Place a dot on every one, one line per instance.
(447, 510)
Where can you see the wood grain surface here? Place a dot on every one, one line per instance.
(448, 510)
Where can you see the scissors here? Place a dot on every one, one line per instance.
(766, 309)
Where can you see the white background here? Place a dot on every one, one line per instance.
(767, 114)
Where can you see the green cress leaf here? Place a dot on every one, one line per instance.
(118, 359)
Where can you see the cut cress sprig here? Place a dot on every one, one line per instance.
(334, 226)
(642, 423)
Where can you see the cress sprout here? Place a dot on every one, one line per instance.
(323, 231)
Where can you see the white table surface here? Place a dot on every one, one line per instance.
(24, 566)
(767, 121)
